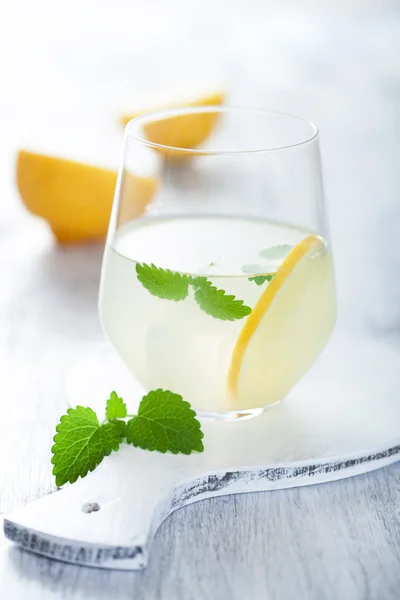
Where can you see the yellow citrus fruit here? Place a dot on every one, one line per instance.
(183, 131)
(135, 194)
(76, 198)
(286, 330)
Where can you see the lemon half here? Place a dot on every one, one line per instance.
(286, 330)
(182, 131)
(76, 198)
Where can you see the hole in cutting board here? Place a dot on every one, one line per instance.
(90, 507)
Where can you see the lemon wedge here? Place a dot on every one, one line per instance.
(182, 131)
(76, 198)
(286, 330)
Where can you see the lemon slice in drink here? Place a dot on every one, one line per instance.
(286, 330)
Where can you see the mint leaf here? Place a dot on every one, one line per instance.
(163, 283)
(170, 285)
(260, 279)
(253, 269)
(198, 282)
(121, 426)
(116, 408)
(275, 253)
(81, 443)
(166, 423)
(219, 304)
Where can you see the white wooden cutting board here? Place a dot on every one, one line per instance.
(342, 420)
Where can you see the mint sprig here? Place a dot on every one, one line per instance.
(170, 285)
(165, 422)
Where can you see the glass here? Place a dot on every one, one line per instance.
(217, 279)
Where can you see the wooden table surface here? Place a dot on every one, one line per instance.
(336, 541)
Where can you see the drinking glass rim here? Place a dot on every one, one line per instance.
(176, 112)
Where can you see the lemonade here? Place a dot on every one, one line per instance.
(243, 311)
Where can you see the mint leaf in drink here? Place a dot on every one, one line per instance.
(116, 408)
(258, 273)
(275, 253)
(166, 423)
(170, 285)
(163, 283)
(198, 282)
(219, 304)
(253, 269)
(260, 279)
(81, 443)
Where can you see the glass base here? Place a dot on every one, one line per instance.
(233, 415)
(98, 372)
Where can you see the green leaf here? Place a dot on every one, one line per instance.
(275, 253)
(116, 408)
(121, 425)
(169, 285)
(253, 269)
(198, 282)
(219, 304)
(260, 279)
(165, 423)
(163, 283)
(81, 443)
